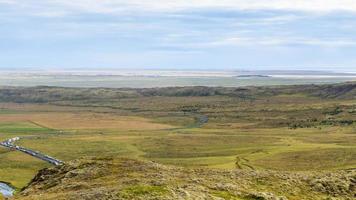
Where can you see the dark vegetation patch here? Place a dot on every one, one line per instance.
(45, 94)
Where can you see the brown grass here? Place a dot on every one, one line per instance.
(85, 121)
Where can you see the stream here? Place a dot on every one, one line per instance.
(6, 190)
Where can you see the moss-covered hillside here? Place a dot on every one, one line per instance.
(108, 178)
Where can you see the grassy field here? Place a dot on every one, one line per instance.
(284, 131)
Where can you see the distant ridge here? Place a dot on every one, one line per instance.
(295, 72)
(177, 72)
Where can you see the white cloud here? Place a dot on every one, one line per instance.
(112, 6)
(303, 5)
(267, 41)
(206, 34)
(280, 41)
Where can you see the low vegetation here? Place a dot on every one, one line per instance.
(108, 178)
(292, 130)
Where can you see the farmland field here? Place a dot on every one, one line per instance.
(289, 132)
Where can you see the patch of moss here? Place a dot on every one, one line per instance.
(142, 190)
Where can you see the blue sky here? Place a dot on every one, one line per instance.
(178, 34)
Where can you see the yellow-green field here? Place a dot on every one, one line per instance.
(282, 132)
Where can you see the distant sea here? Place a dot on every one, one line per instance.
(167, 78)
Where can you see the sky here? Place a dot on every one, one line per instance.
(178, 34)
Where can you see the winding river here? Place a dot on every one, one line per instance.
(6, 190)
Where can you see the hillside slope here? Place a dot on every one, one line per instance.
(44, 94)
(108, 178)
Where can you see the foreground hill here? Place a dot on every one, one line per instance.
(109, 178)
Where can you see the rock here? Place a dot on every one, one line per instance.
(265, 196)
